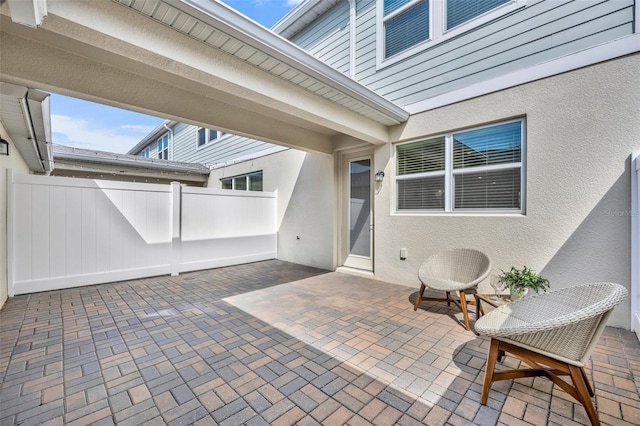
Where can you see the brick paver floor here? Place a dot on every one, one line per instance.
(273, 343)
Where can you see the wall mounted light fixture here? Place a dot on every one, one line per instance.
(379, 176)
(4, 147)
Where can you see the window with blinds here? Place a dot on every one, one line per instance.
(461, 11)
(483, 171)
(407, 26)
(404, 27)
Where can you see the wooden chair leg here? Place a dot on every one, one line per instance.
(587, 382)
(578, 377)
(419, 299)
(465, 311)
(448, 298)
(492, 358)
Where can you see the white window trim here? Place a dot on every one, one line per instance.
(158, 150)
(449, 172)
(208, 141)
(244, 175)
(437, 25)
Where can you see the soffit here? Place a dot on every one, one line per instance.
(225, 29)
(17, 124)
(301, 16)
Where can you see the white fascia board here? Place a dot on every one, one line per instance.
(603, 52)
(238, 26)
(28, 12)
(151, 136)
(40, 112)
(294, 15)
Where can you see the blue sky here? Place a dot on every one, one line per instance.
(89, 125)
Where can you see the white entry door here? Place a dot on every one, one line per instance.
(359, 213)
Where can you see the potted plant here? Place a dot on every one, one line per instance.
(518, 281)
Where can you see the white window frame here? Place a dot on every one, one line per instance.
(159, 148)
(449, 173)
(437, 27)
(207, 136)
(244, 175)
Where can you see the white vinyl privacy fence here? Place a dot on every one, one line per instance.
(67, 232)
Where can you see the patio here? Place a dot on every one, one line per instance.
(273, 343)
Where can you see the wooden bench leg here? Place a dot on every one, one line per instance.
(492, 358)
(419, 299)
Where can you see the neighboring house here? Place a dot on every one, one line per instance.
(92, 164)
(507, 125)
(188, 143)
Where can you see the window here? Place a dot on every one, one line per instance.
(460, 11)
(250, 182)
(163, 147)
(473, 170)
(145, 152)
(205, 136)
(406, 26)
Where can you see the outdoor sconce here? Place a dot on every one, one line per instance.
(4, 147)
(379, 176)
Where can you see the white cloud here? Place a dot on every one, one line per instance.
(84, 134)
(138, 128)
(291, 3)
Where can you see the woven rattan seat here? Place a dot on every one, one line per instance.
(457, 270)
(554, 333)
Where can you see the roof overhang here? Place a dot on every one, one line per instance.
(302, 15)
(153, 135)
(26, 117)
(198, 62)
(70, 159)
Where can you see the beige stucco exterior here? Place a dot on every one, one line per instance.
(306, 202)
(581, 128)
(14, 162)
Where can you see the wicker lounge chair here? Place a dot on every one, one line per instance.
(456, 270)
(554, 333)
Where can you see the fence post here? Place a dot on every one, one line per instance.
(176, 227)
(635, 243)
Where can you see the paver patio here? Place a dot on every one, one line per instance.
(273, 343)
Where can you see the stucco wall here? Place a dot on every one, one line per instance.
(582, 127)
(306, 202)
(15, 162)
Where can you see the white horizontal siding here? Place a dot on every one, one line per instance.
(184, 142)
(327, 38)
(537, 33)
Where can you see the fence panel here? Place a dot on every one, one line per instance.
(67, 232)
(222, 227)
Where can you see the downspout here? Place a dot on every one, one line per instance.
(32, 133)
(170, 138)
(352, 39)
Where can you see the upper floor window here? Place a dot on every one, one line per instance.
(205, 135)
(145, 152)
(247, 182)
(474, 170)
(163, 147)
(408, 26)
